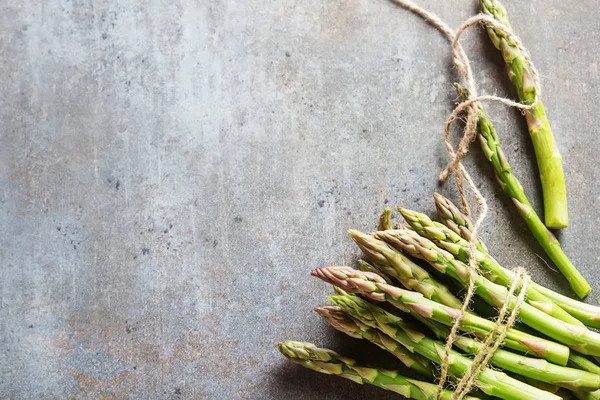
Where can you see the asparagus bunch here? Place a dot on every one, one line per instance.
(548, 157)
(490, 145)
(329, 362)
(451, 216)
(545, 369)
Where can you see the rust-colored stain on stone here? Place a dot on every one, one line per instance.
(104, 389)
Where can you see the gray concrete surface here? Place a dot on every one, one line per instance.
(170, 172)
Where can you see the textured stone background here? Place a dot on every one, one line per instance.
(170, 172)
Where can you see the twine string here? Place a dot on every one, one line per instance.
(470, 105)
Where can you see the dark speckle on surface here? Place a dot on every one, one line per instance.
(170, 175)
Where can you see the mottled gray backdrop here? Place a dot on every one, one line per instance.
(170, 172)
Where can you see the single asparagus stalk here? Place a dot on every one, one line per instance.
(456, 221)
(548, 157)
(329, 362)
(375, 288)
(385, 219)
(586, 313)
(576, 337)
(446, 239)
(338, 319)
(403, 269)
(493, 383)
(509, 183)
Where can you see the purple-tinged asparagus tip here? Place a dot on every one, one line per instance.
(325, 274)
(322, 311)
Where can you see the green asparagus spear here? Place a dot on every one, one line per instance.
(448, 240)
(493, 383)
(452, 217)
(548, 157)
(385, 219)
(577, 337)
(329, 362)
(456, 221)
(509, 183)
(338, 319)
(375, 288)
